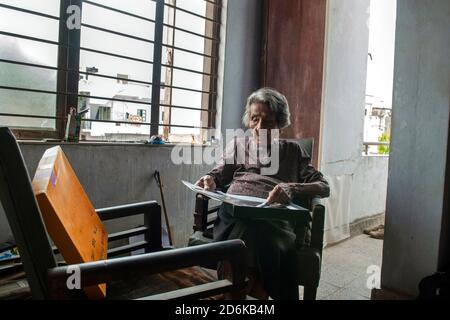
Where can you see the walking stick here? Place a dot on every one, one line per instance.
(160, 185)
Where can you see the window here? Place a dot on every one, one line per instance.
(380, 75)
(142, 114)
(190, 48)
(103, 113)
(155, 61)
(122, 78)
(32, 107)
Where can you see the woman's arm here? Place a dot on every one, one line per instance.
(222, 175)
(286, 192)
(318, 188)
(312, 183)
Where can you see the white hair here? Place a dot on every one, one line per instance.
(276, 102)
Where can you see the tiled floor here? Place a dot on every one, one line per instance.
(345, 269)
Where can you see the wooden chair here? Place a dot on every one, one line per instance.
(309, 238)
(127, 277)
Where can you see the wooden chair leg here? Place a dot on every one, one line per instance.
(227, 274)
(309, 293)
(255, 286)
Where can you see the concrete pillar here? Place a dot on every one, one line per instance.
(415, 199)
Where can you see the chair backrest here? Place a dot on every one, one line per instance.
(307, 144)
(69, 216)
(23, 214)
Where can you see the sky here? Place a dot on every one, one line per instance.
(380, 71)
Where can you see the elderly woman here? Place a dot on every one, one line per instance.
(271, 244)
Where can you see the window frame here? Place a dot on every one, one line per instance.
(68, 74)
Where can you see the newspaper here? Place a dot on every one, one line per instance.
(239, 200)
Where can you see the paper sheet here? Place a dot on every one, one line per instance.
(234, 198)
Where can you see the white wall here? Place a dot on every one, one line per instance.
(358, 183)
(380, 68)
(369, 187)
(420, 123)
(345, 73)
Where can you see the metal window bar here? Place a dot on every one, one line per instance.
(116, 55)
(96, 27)
(213, 49)
(68, 57)
(18, 115)
(119, 11)
(170, 65)
(190, 70)
(192, 13)
(101, 98)
(190, 51)
(172, 106)
(190, 32)
(170, 38)
(101, 75)
(125, 35)
(366, 145)
(157, 59)
(112, 77)
(16, 35)
(104, 121)
(83, 24)
(73, 94)
(215, 3)
(36, 13)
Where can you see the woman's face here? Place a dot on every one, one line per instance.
(261, 117)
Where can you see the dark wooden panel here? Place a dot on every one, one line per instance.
(444, 247)
(293, 61)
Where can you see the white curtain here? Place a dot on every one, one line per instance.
(337, 218)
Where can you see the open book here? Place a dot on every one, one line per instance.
(239, 200)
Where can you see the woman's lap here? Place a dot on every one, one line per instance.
(270, 248)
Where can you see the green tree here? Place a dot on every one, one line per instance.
(384, 149)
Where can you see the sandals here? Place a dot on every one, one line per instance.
(376, 233)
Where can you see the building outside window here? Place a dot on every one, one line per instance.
(122, 78)
(380, 75)
(142, 114)
(103, 113)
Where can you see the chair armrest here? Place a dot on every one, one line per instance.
(127, 210)
(318, 223)
(152, 219)
(97, 272)
(316, 201)
(302, 218)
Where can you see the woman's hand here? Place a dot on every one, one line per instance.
(207, 183)
(278, 195)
